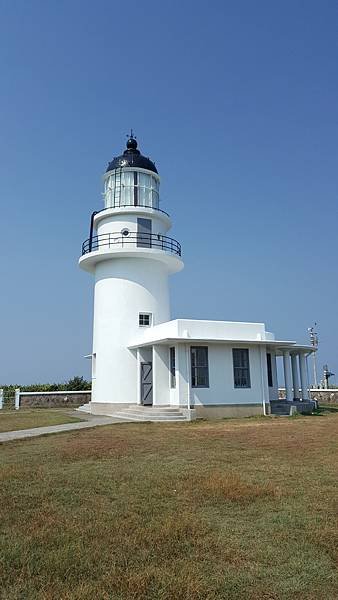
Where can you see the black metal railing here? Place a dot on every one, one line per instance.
(139, 240)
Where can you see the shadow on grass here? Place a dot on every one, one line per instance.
(324, 410)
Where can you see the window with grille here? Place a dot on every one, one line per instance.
(241, 365)
(172, 367)
(144, 319)
(199, 366)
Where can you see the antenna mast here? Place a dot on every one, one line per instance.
(326, 376)
(314, 343)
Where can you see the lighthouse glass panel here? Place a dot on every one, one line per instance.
(131, 188)
(127, 195)
(117, 189)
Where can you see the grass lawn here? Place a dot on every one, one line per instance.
(237, 509)
(25, 418)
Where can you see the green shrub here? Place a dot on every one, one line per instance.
(74, 384)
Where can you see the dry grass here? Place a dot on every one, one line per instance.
(240, 509)
(227, 486)
(26, 418)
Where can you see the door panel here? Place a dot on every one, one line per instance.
(144, 233)
(147, 383)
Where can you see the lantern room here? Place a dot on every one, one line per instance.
(131, 180)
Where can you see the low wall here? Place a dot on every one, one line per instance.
(54, 399)
(329, 396)
(325, 396)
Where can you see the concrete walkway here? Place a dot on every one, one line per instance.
(88, 421)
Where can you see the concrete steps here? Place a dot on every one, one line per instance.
(280, 408)
(283, 408)
(153, 414)
(84, 408)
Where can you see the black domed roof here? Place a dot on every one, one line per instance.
(132, 157)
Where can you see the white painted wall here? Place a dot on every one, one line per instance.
(161, 392)
(124, 287)
(221, 330)
(181, 394)
(146, 354)
(221, 378)
(115, 224)
(221, 390)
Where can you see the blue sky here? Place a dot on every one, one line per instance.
(236, 101)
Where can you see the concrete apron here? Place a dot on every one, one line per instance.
(88, 422)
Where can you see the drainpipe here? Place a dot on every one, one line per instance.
(263, 350)
(188, 375)
(91, 229)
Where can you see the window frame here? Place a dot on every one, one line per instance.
(141, 315)
(135, 178)
(172, 367)
(237, 368)
(269, 369)
(195, 369)
(144, 232)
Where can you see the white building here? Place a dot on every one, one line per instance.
(145, 365)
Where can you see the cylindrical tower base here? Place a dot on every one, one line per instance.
(124, 288)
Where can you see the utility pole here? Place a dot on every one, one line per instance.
(314, 343)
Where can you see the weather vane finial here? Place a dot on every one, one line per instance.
(131, 135)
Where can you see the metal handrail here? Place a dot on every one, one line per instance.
(140, 240)
(134, 206)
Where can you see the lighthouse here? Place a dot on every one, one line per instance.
(131, 257)
(146, 366)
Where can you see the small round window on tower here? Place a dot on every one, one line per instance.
(125, 232)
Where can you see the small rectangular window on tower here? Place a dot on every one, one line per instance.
(145, 319)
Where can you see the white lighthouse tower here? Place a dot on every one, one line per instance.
(131, 257)
(146, 366)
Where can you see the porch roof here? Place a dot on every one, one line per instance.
(277, 345)
(195, 331)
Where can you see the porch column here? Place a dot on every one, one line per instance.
(160, 375)
(17, 398)
(303, 376)
(138, 396)
(287, 375)
(274, 375)
(295, 377)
